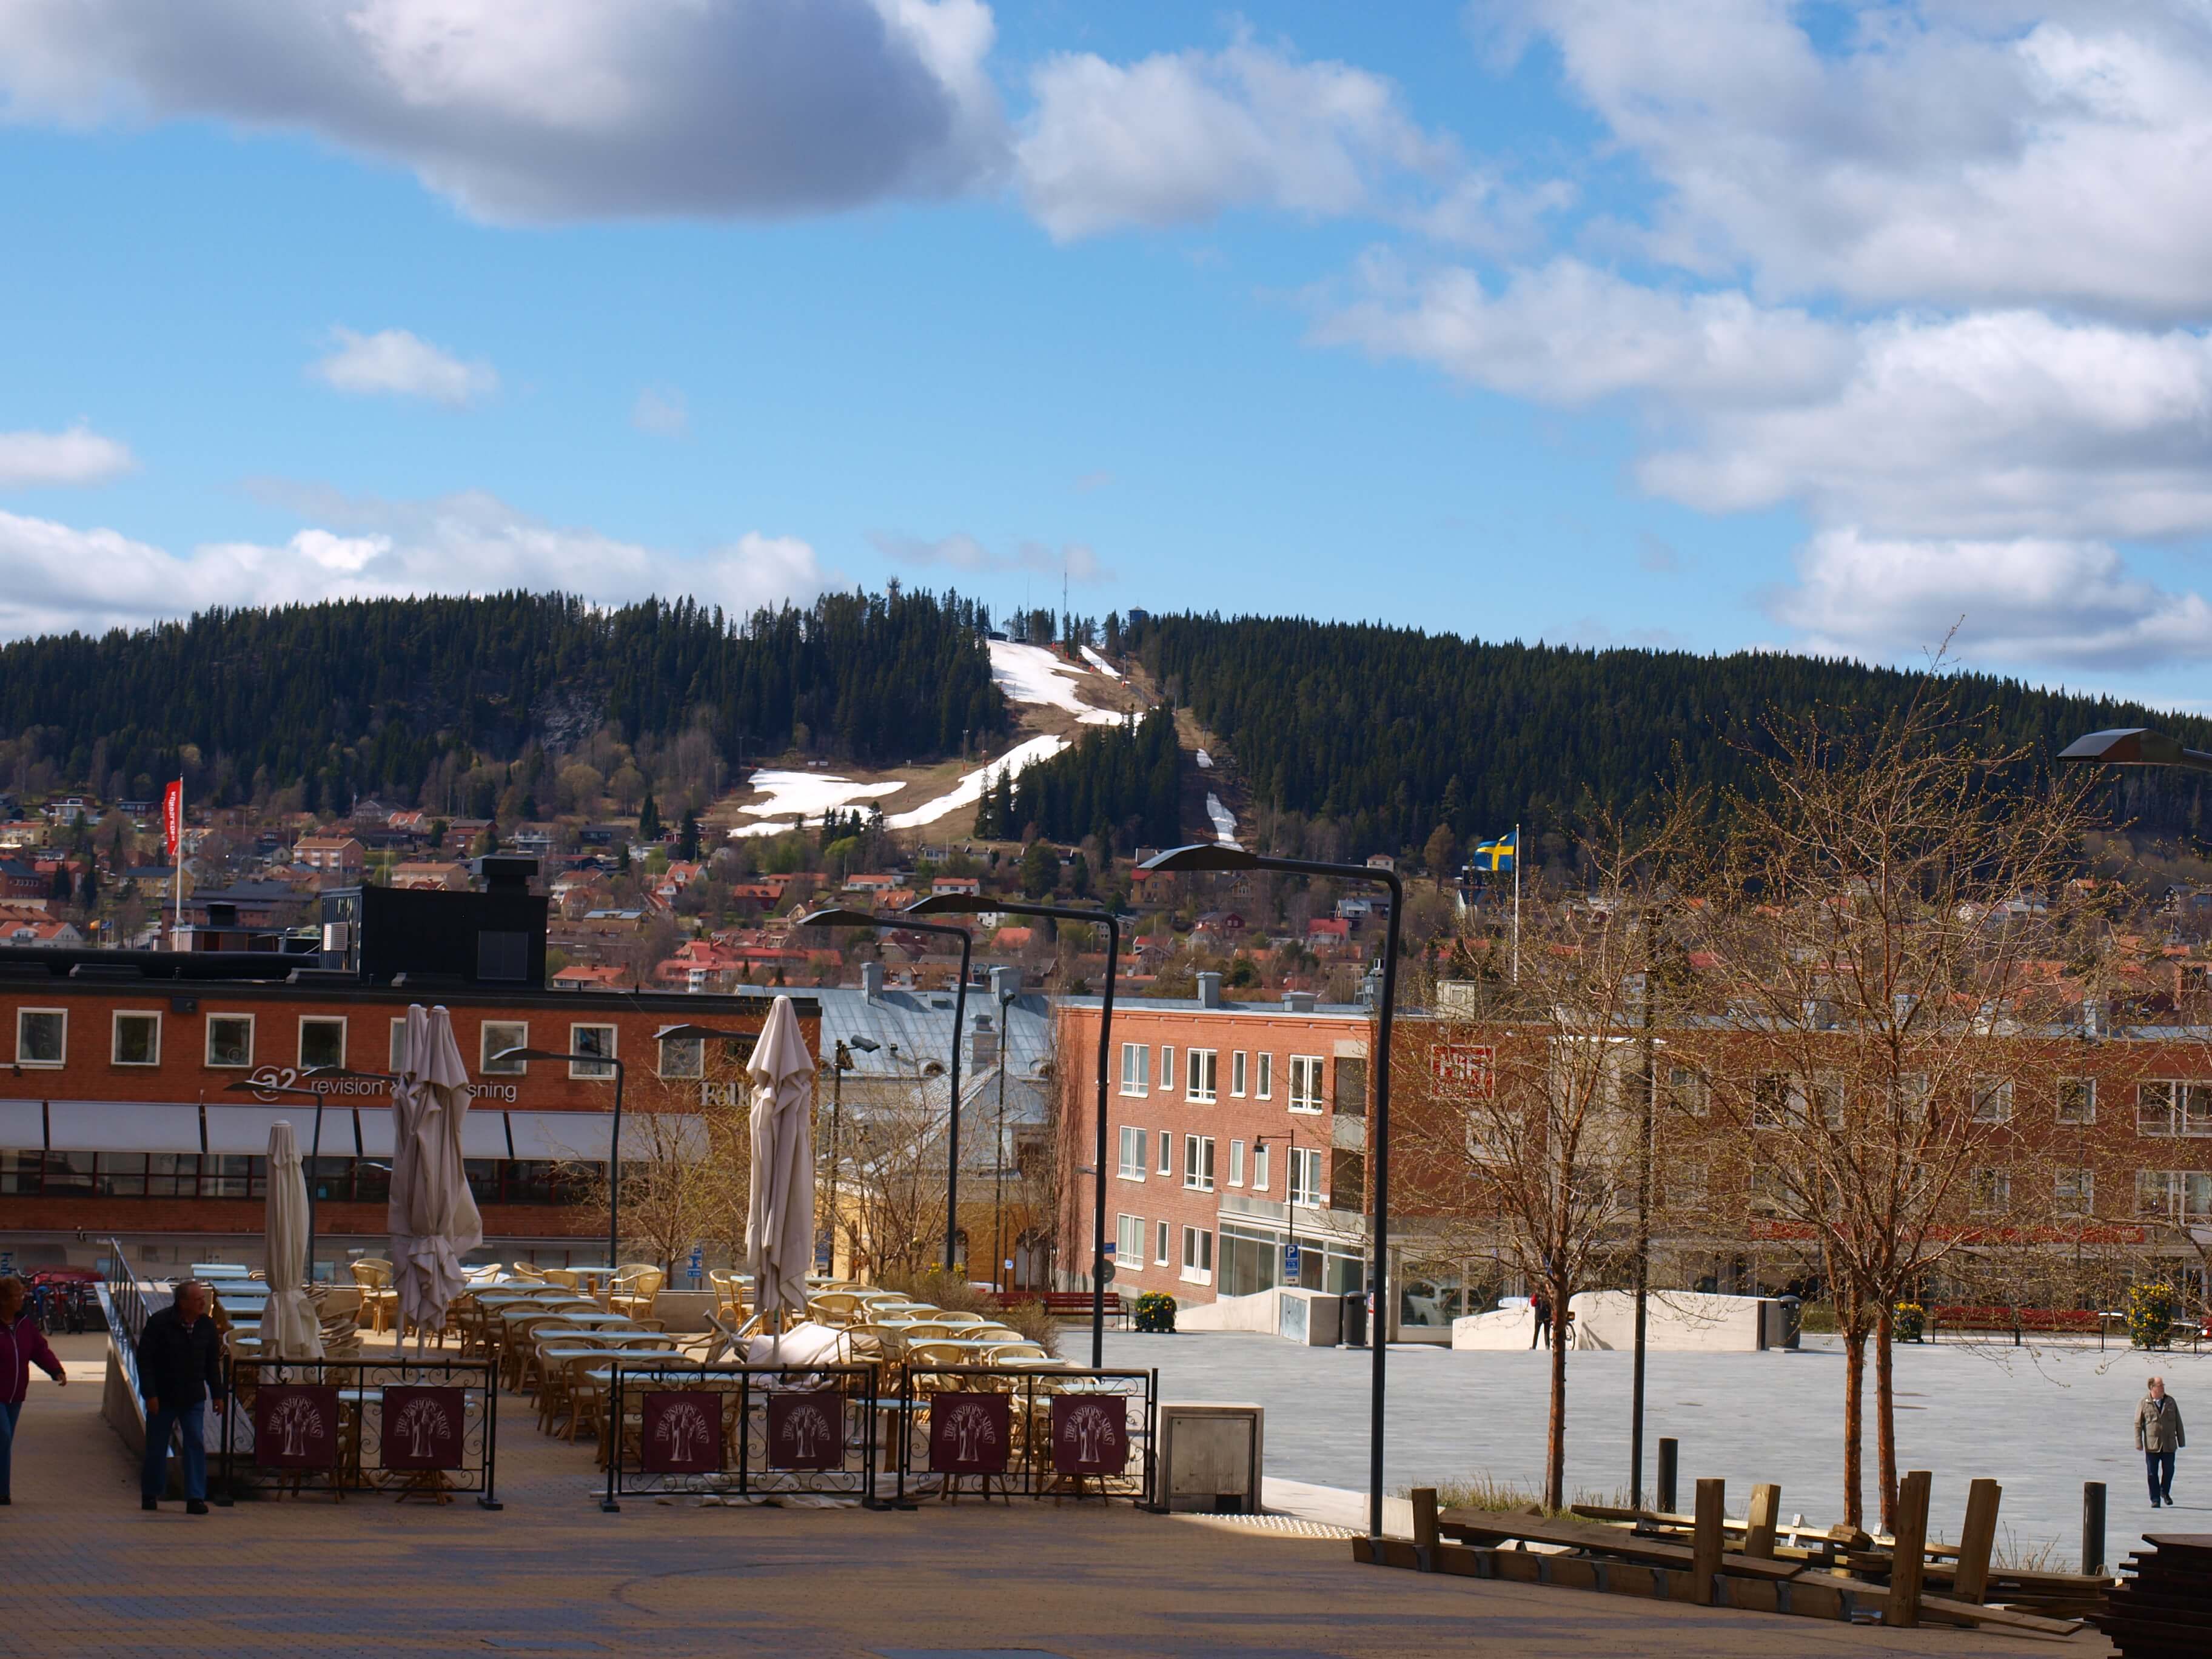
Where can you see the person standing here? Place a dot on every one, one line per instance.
(2157, 1437)
(179, 1372)
(22, 1345)
(1541, 1304)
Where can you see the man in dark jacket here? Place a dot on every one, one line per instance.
(180, 1370)
(2157, 1437)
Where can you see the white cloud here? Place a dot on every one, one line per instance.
(962, 552)
(561, 109)
(55, 577)
(2029, 601)
(661, 410)
(78, 456)
(395, 364)
(1178, 137)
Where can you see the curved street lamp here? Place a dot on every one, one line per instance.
(1218, 857)
(970, 904)
(845, 918)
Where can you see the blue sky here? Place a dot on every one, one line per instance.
(1812, 326)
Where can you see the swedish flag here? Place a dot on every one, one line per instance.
(1496, 855)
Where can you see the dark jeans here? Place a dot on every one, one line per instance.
(154, 1478)
(2159, 1466)
(8, 1413)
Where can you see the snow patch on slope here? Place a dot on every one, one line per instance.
(970, 789)
(1030, 673)
(1101, 664)
(1225, 821)
(802, 794)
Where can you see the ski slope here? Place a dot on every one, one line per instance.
(1030, 673)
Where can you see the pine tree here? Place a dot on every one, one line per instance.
(648, 820)
(687, 844)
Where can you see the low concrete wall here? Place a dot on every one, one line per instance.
(1255, 1312)
(1678, 1322)
(1308, 1318)
(684, 1310)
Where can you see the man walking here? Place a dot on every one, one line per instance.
(2158, 1435)
(180, 1370)
(22, 1345)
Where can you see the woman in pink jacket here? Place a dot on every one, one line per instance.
(22, 1345)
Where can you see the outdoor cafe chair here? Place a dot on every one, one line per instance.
(962, 1319)
(529, 1270)
(635, 1291)
(833, 1307)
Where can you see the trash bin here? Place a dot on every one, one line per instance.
(1354, 1329)
(1793, 1320)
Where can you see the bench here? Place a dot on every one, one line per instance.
(2083, 1321)
(1076, 1305)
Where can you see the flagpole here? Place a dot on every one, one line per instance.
(1516, 903)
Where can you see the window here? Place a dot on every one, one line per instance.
(1770, 1101)
(2173, 1109)
(1305, 1176)
(1198, 1162)
(1132, 1153)
(591, 1039)
(1236, 1074)
(1682, 1184)
(1237, 1164)
(1828, 1096)
(2077, 1100)
(1770, 1190)
(1351, 1085)
(1167, 1068)
(1992, 1100)
(683, 1057)
(1916, 1095)
(1991, 1189)
(1133, 1058)
(1259, 1167)
(1687, 1090)
(1265, 1086)
(2176, 1194)
(322, 1042)
(138, 1039)
(1305, 1083)
(1198, 1255)
(398, 1046)
(1167, 1153)
(1160, 1257)
(1129, 1241)
(230, 1041)
(1204, 1068)
(41, 1036)
(2075, 1192)
(494, 1039)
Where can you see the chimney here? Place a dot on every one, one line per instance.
(1005, 984)
(871, 979)
(1299, 1002)
(982, 1044)
(1209, 990)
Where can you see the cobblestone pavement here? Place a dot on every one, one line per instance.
(89, 1574)
(2038, 1420)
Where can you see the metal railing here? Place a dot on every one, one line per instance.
(122, 1304)
(742, 1430)
(426, 1427)
(1024, 1432)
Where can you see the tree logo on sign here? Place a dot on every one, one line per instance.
(806, 1431)
(297, 1424)
(424, 1426)
(683, 1432)
(972, 1429)
(1086, 1427)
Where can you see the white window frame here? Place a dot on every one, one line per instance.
(59, 1060)
(1167, 1068)
(1308, 1080)
(698, 1046)
(1687, 1088)
(1684, 1184)
(1166, 1166)
(207, 1052)
(305, 1020)
(2088, 1087)
(589, 1069)
(1237, 1164)
(487, 1049)
(1162, 1238)
(1129, 1243)
(1133, 1152)
(1264, 1089)
(1198, 1164)
(397, 1039)
(1238, 1070)
(1198, 1255)
(1992, 1099)
(2074, 1192)
(1202, 1076)
(1989, 1189)
(1305, 1161)
(1260, 1167)
(115, 1036)
(1136, 1063)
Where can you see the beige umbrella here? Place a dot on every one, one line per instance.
(779, 1224)
(290, 1328)
(432, 1216)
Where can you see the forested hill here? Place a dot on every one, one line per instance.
(374, 696)
(1390, 730)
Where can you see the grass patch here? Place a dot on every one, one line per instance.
(1483, 1491)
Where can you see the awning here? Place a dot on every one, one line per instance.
(120, 1126)
(22, 1126)
(375, 1131)
(245, 1129)
(557, 1137)
(483, 1133)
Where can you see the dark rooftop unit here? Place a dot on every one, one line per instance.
(387, 935)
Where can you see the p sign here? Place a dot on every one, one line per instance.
(1471, 1067)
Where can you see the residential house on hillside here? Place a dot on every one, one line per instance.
(956, 884)
(23, 833)
(428, 875)
(343, 856)
(21, 878)
(43, 931)
(871, 884)
(589, 976)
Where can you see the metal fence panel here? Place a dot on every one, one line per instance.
(1027, 1432)
(422, 1427)
(743, 1431)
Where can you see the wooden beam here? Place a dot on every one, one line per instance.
(1972, 1614)
(1765, 1510)
(1424, 1527)
(1971, 1581)
(1906, 1560)
(1484, 1525)
(1706, 1544)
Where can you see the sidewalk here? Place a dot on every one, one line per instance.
(90, 1574)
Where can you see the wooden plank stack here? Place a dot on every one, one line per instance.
(2164, 1609)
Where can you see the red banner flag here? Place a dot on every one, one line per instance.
(172, 819)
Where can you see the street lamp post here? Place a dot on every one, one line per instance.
(841, 918)
(1209, 856)
(998, 1169)
(969, 904)
(614, 1144)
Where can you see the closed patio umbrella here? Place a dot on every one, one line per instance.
(780, 1221)
(290, 1328)
(432, 1215)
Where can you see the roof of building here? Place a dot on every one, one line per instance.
(911, 1025)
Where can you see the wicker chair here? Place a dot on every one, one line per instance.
(379, 1302)
(634, 1291)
